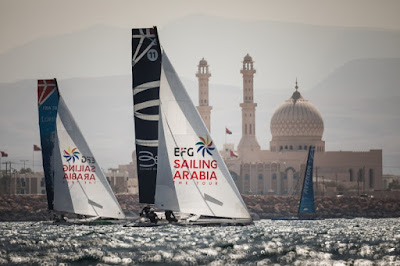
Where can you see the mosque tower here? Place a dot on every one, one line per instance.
(248, 143)
(203, 108)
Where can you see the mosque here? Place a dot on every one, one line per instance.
(295, 126)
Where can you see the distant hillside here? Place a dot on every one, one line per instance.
(282, 51)
(360, 106)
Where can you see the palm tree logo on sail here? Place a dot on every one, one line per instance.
(71, 154)
(205, 146)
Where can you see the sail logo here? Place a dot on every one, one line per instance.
(188, 166)
(147, 159)
(181, 151)
(71, 154)
(205, 145)
(77, 168)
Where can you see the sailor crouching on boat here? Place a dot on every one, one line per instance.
(145, 212)
(153, 216)
(170, 216)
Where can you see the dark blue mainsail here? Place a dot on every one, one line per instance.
(48, 99)
(146, 72)
(307, 205)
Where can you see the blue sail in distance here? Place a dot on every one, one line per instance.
(307, 194)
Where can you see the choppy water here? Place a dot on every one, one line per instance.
(325, 242)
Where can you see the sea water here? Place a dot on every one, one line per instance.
(320, 242)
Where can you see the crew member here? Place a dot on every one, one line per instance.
(153, 216)
(170, 216)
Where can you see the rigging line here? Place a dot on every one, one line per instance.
(176, 144)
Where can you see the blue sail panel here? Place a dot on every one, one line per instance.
(146, 72)
(48, 99)
(307, 204)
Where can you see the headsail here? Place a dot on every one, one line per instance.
(146, 69)
(74, 180)
(307, 205)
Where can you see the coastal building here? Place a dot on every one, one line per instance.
(295, 126)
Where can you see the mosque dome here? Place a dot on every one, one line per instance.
(297, 117)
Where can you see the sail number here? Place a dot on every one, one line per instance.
(152, 55)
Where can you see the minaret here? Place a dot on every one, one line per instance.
(248, 142)
(203, 108)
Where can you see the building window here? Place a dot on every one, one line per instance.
(274, 176)
(42, 182)
(281, 148)
(260, 177)
(351, 175)
(286, 147)
(360, 175)
(234, 176)
(291, 147)
(371, 178)
(305, 147)
(246, 177)
(300, 147)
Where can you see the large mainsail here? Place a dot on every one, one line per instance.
(74, 180)
(146, 70)
(307, 194)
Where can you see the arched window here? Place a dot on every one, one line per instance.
(234, 176)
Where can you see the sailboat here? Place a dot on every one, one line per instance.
(179, 166)
(74, 181)
(306, 210)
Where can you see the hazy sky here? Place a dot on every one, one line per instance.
(23, 20)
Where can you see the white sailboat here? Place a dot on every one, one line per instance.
(74, 181)
(190, 174)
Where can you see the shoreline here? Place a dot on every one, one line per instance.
(34, 207)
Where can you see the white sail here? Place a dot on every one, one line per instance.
(191, 175)
(76, 182)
